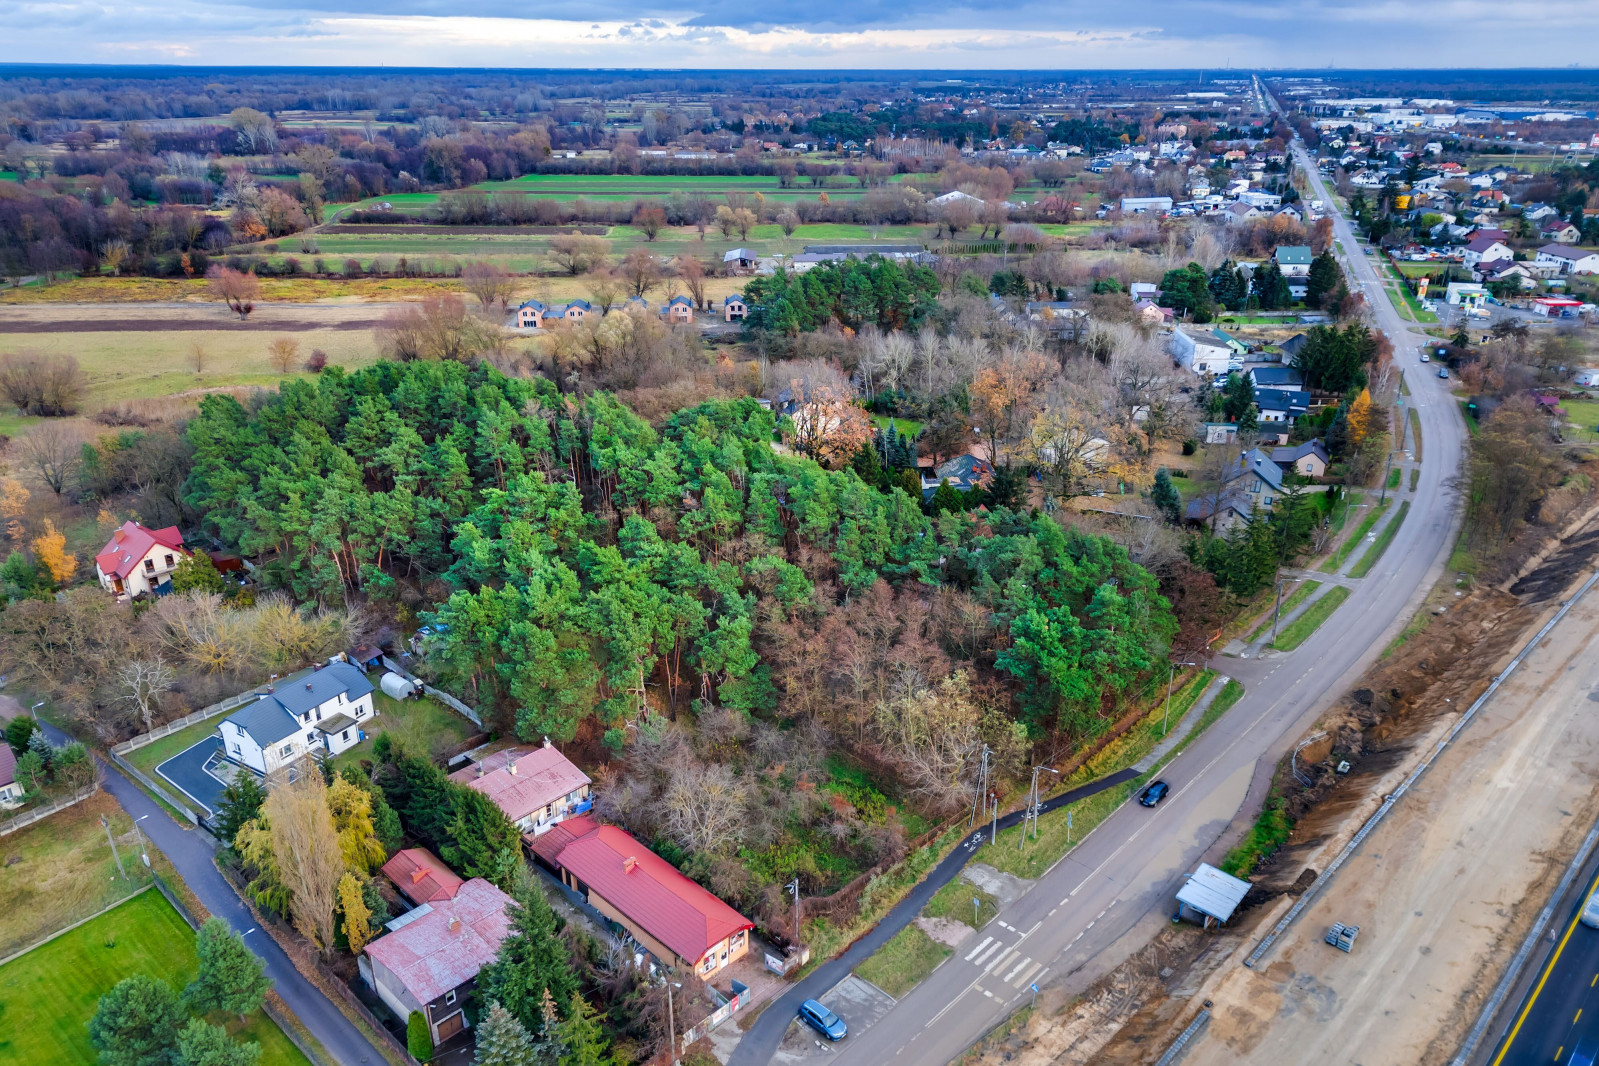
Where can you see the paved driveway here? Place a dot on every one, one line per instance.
(187, 771)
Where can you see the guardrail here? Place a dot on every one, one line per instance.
(1186, 1037)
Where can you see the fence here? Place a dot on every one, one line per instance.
(27, 818)
(166, 797)
(177, 725)
(741, 996)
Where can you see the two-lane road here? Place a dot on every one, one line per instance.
(1133, 863)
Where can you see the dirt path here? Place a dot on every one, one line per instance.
(1442, 891)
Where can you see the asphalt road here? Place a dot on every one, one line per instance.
(1132, 865)
(190, 853)
(1560, 1011)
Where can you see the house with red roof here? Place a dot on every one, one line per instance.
(11, 790)
(673, 918)
(536, 789)
(137, 561)
(429, 961)
(421, 876)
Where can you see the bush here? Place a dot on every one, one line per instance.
(42, 384)
(418, 1040)
(317, 361)
(352, 268)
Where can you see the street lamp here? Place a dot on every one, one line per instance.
(35, 710)
(671, 1023)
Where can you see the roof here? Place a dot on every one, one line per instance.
(1482, 244)
(8, 764)
(1199, 509)
(1559, 251)
(738, 254)
(421, 876)
(1299, 451)
(558, 836)
(534, 304)
(1257, 462)
(446, 948)
(334, 723)
(650, 891)
(521, 782)
(736, 298)
(1276, 375)
(1212, 892)
(129, 545)
(679, 300)
(275, 715)
(1294, 253)
(967, 469)
(1282, 400)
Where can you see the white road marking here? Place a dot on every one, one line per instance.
(1026, 975)
(1001, 961)
(987, 940)
(1018, 968)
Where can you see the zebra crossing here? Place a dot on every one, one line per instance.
(1001, 961)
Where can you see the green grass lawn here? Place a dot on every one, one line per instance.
(422, 725)
(1415, 476)
(1393, 478)
(1340, 514)
(48, 995)
(1373, 553)
(1295, 598)
(1351, 542)
(905, 427)
(1299, 630)
(899, 965)
(1270, 832)
(1582, 420)
(157, 752)
(954, 900)
(1415, 434)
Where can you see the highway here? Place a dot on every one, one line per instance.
(1132, 864)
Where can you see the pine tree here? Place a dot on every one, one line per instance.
(531, 962)
(946, 498)
(582, 1039)
(1164, 495)
(232, 978)
(241, 801)
(502, 1040)
(202, 1044)
(40, 745)
(136, 1023)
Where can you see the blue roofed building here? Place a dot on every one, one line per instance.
(322, 712)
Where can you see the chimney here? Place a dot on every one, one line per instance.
(510, 766)
(308, 686)
(417, 875)
(547, 743)
(455, 923)
(629, 864)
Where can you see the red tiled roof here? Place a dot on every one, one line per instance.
(520, 783)
(446, 947)
(8, 764)
(548, 847)
(650, 891)
(421, 877)
(130, 544)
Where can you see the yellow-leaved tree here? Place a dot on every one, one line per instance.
(357, 916)
(351, 807)
(13, 502)
(50, 548)
(1359, 418)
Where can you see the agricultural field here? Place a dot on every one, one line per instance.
(48, 995)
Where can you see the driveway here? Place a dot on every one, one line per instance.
(187, 772)
(190, 851)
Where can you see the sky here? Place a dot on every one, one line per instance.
(872, 34)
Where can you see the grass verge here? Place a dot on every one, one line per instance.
(1415, 476)
(899, 965)
(1230, 693)
(1295, 598)
(1340, 515)
(1415, 434)
(1302, 627)
(954, 900)
(1393, 478)
(1341, 555)
(1269, 833)
(1380, 545)
(49, 994)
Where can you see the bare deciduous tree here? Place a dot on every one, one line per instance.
(143, 681)
(488, 282)
(38, 384)
(51, 451)
(239, 290)
(704, 807)
(198, 357)
(283, 353)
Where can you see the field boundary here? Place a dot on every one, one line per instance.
(177, 725)
(64, 930)
(27, 818)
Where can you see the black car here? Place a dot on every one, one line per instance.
(1154, 793)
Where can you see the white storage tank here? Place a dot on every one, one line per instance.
(398, 687)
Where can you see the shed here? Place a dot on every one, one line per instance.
(1211, 894)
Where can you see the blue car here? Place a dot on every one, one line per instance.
(1582, 1056)
(822, 1020)
(1154, 793)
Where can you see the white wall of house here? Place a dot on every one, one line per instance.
(11, 794)
(154, 569)
(265, 759)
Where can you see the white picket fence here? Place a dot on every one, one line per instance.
(135, 743)
(38, 814)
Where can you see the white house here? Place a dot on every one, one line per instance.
(1486, 249)
(1568, 260)
(137, 561)
(11, 790)
(321, 712)
(1146, 205)
(1202, 353)
(1293, 260)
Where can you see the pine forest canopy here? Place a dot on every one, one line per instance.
(588, 555)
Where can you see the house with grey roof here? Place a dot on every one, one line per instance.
(322, 712)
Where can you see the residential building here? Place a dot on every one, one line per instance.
(429, 962)
(536, 789)
(1201, 353)
(964, 472)
(11, 790)
(1281, 405)
(321, 713)
(530, 315)
(1485, 248)
(1143, 290)
(1309, 459)
(1563, 259)
(1506, 270)
(1219, 432)
(1234, 345)
(1293, 260)
(1559, 231)
(1153, 314)
(139, 562)
(1256, 475)
(679, 311)
(671, 917)
(1057, 318)
(422, 877)
(734, 309)
(1275, 377)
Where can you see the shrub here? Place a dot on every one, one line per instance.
(317, 361)
(418, 1040)
(352, 268)
(42, 384)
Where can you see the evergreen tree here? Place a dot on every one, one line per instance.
(203, 1044)
(1325, 279)
(866, 465)
(232, 978)
(946, 498)
(1271, 287)
(197, 573)
(18, 731)
(581, 1037)
(1008, 489)
(30, 772)
(502, 1040)
(241, 801)
(385, 823)
(1239, 396)
(40, 745)
(1228, 286)
(136, 1023)
(479, 835)
(532, 960)
(1164, 495)
(418, 1037)
(910, 483)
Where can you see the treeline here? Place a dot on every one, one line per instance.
(853, 292)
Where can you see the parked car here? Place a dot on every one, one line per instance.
(1590, 911)
(1154, 793)
(822, 1020)
(1443, 371)
(1425, 358)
